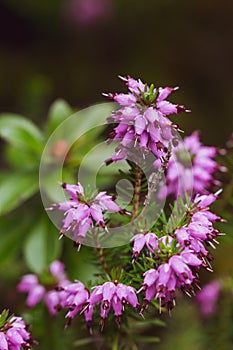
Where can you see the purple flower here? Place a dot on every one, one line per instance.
(192, 167)
(37, 290)
(85, 12)
(207, 298)
(82, 213)
(200, 230)
(140, 240)
(142, 121)
(115, 295)
(180, 256)
(204, 201)
(14, 334)
(74, 298)
(177, 273)
(229, 143)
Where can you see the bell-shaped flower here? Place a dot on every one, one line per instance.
(142, 120)
(31, 284)
(82, 213)
(140, 240)
(115, 295)
(14, 334)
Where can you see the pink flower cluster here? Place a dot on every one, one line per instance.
(179, 270)
(109, 295)
(115, 295)
(168, 260)
(207, 298)
(14, 335)
(177, 273)
(86, 12)
(200, 230)
(172, 270)
(75, 297)
(38, 290)
(150, 240)
(192, 167)
(142, 120)
(81, 213)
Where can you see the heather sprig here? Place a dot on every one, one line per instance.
(14, 333)
(166, 249)
(83, 212)
(47, 286)
(193, 166)
(142, 122)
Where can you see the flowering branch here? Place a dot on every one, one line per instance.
(164, 260)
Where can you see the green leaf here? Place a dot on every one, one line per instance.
(51, 184)
(10, 244)
(3, 317)
(89, 118)
(19, 160)
(20, 132)
(149, 322)
(148, 339)
(42, 245)
(80, 123)
(58, 112)
(15, 188)
(86, 341)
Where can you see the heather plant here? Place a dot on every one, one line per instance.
(13, 333)
(147, 238)
(214, 301)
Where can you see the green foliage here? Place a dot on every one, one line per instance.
(20, 132)
(25, 146)
(15, 188)
(29, 240)
(58, 112)
(41, 246)
(68, 139)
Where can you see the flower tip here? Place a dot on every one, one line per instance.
(176, 88)
(89, 328)
(108, 161)
(223, 169)
(61, 234)
(140, 290)
(221, 151)
(77, 245)
(109, 95)
(122, 78)
(53, 207)
(218, 192)
(101, 325)
(68, 322)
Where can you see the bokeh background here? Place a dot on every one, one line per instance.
(75, 49)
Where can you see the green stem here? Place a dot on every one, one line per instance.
(154, 180)
(137, 190)
(49, 341)
(100, 252)
(115, 343)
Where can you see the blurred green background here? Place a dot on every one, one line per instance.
(61, 49)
